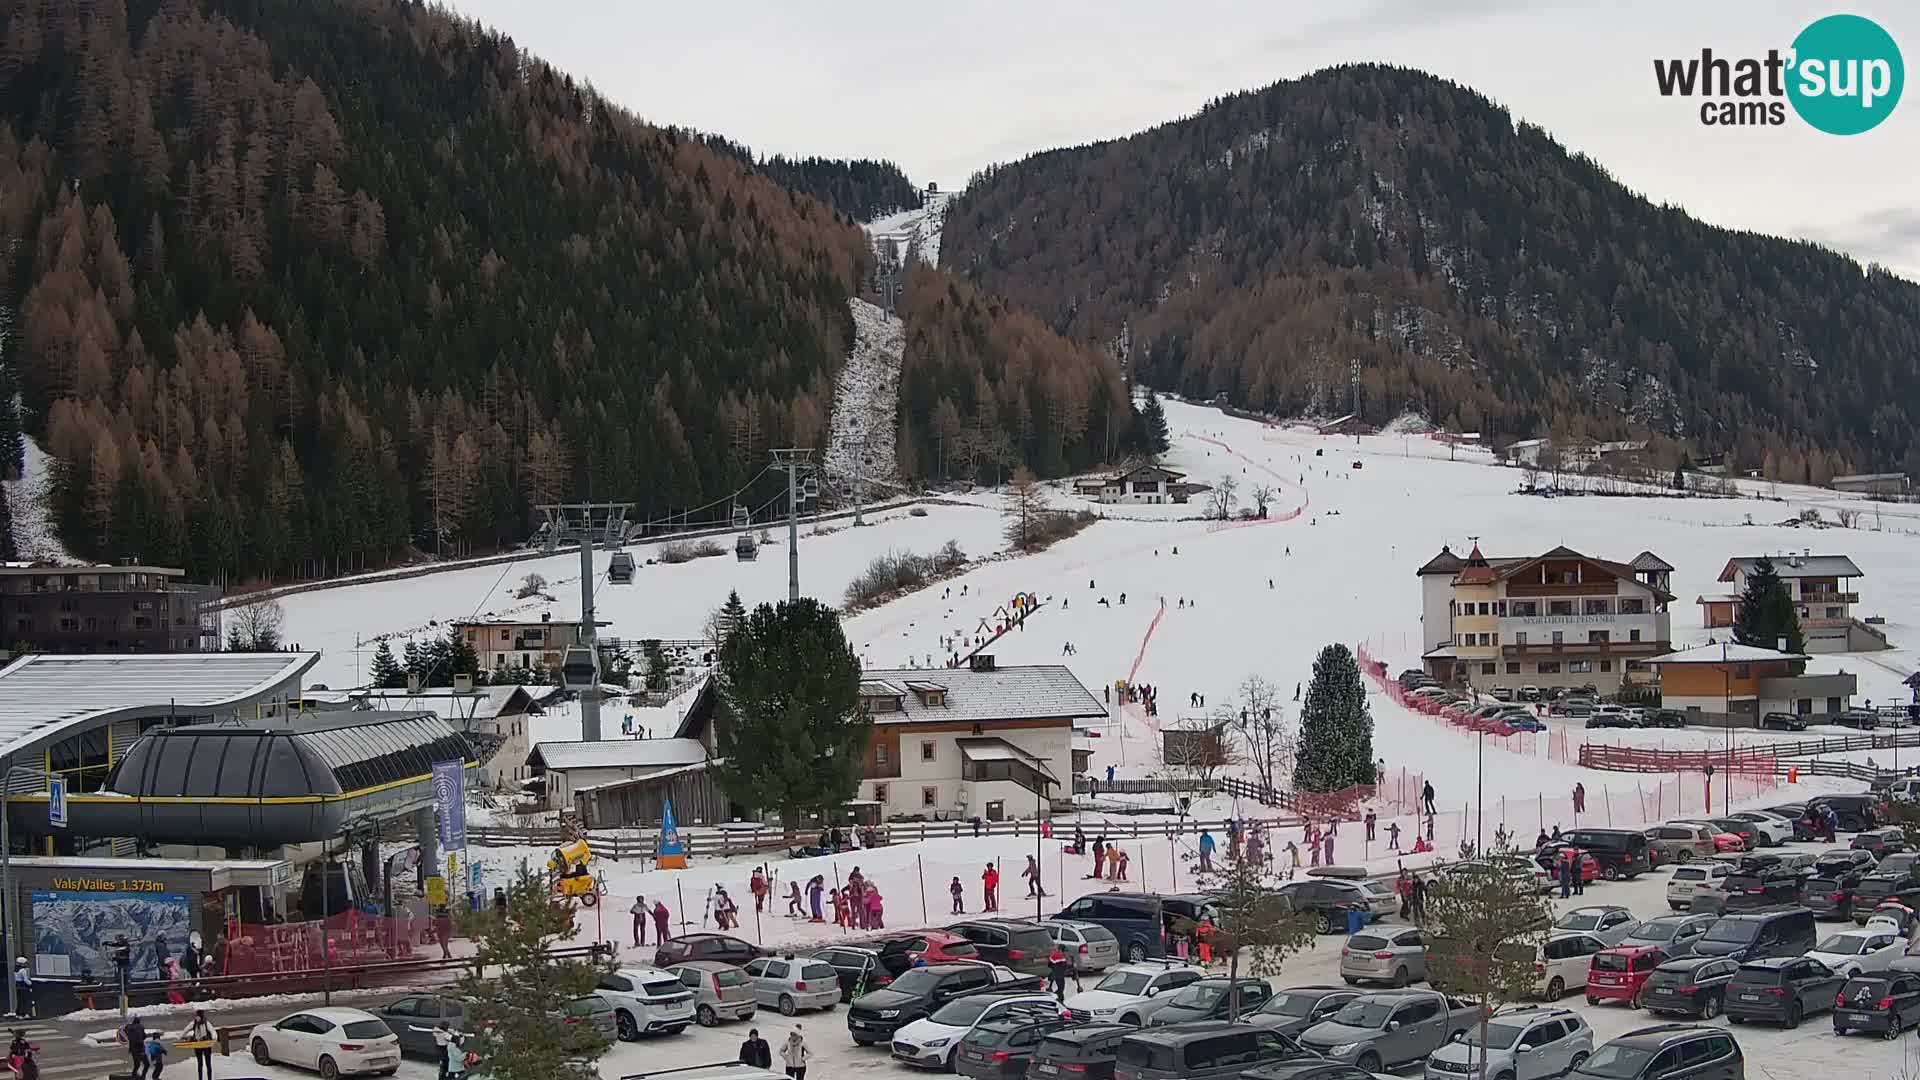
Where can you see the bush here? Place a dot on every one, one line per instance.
(898, 572)
(1057, 525)
(918, 511)
(675, 552)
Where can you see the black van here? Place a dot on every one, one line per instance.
(1208, 1050)
(1759, 935)
(1141, 921)
(1855, 813)
(1621, 853)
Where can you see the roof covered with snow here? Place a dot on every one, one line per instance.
(1796, 566)
(1040, 692)
(619, 754)
(1727, 653)
(43, 697)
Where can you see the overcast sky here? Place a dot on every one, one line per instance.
(944, 89)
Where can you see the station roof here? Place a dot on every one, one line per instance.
(43, 698)
(324, 754)
(619, 754)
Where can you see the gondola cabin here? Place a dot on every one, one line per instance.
(580, 669)
(745, 548)
(620, 568)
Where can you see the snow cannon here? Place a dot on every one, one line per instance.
(571, 878)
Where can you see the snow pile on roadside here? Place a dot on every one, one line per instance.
(866, 400)
(290, 1001)
(34, 537)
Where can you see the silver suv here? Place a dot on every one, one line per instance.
(1526, 1042)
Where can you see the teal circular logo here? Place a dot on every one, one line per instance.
(1846, 75)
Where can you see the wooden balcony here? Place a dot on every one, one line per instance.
(1829, 598)
(1586, 648)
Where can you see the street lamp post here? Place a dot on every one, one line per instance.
(1480, 800)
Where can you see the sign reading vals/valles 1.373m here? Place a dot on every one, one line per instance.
(124, 885)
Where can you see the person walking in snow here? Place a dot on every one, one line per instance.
(659, 920)
(1109, 777)
(1099, 856)
(959, 896)
(1426, 795)
(990, 887)
(1206, 850)
(1327, 841)
(1393, 836)
(814, 889)
(795, 1054)
(795, 908)
(639, 913)
(1032, 874)
(1580, 798)
(758, 887)
(876, 909)
(1370, 819)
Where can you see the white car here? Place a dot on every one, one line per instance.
(1090, 946)
(331, 1042)
(1693, 879)
(1608, 922)
(647, 1001)
(791, 983)
(1773, 829)
(1560, 963)
(930, 1042)
(1131, 993)
(1851, 952)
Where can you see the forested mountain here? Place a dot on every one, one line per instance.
(300, 282)
(984, 387)
(862, 190)
(1380, 225)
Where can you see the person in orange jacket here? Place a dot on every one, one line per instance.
(990, 887)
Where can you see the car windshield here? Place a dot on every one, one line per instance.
(1733, 931)
(730, 977)
(1366, 942)
(819, 971)
(917, 981)
(1655, 931)
(1842, 944)
(1500, 1035)
(1898, 864)
(1200, 995)
(1091, 932)
(1616, 1062)
(1579, 920)
(366, 1029)
(662, 988)
(960, 1012)
(1123, 982)
(1364, 1014)
(589, 1005)
(1290, 1005)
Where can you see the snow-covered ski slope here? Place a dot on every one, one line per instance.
(916, 231)
(866, 401)
(1343, 570)
(34, 536)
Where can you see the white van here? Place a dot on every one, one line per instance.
(1560, 963)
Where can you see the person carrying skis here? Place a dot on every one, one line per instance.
(758, 887)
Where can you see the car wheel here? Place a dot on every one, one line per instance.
(1578, 1060)
(1736, 1020)
(1130, 1019)
(1351, 981)
(1612, 873)
(1556, 988)
(1369, 1062)
(1400, 978)
(786, 1006)
(1683, 855)
(1591, 1000)
(706, 1016)
(390, 1072)
(1893, 1029)
(1136, 952)
(1636, 1001)
(329, 1070)
(863, 1042)
(1793, 1015)
(1503, 1076)
(1710, 1008)
(624, 1028)
(261, 1056)
(1326, 923)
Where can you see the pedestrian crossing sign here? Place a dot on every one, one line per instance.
(57, 802)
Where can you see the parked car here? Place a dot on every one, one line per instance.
(1297, 1008)
(1671, 934)
(595, 1010)
(1083, 1052)
(720, 991)
(722, 947)
(1863, 719)
(1893, 917)
(1394, 957)
(646, 1001)
(1783, 721)
(1522, 875)
(1328, 899)
(1306, 1068)
(1828, 891)
(860, 968)
(792, 983)
(330, 1041)
(1389, 1029)
(1621, 973)
(1757, 882)
(1502, 693)
(1608, 922)
(413, 1018)
(1657, 1052)
(1132, 992)
(1529, 693)
(1693, 986)
(934, 946)
(1855, 813)
(1682, 841)
(1772, 829)
(1882, 842)
(1665, 718)
(1610, 716)
(1560, 963)
(1212, 998)
(876, 1015)
(1759, 935)
(1090, 946)
(1689, 882)
(1751, 837)
(1622, 852)
(1783, 989)
(1725, 842)
(1855, 952)
(1884, 1003)
(932, 1041)
(1524, 1042)
(1015, 943)
(1550, 856)
(1897, 877)
(1573, 708)
(1214, 1050)
(1137, 920)
(1001, 1049)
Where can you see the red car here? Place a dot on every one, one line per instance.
(1618, 974)
(933, 946)
(1550, 857)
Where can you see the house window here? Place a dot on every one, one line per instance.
(1632, 605)
(1599, 637)
(1579, 667)
(505, 634)
(1496, 637)
(1488, 669)
(1549, 667)
(1485, 608)
(1486, 639)
(1742, 671)
(1833, 704)
(879, 753)
(880, 793)
(1500, 608)
(1513, 667)
(1526, 608)
(1559, 637)
(1633, 635)
(1804, 706)
(1559, 607)
(1833, 613)
(1596, 607)
(1606, 665)
(929, 796)
(1520, 638)
(473, 635)
(926, 750)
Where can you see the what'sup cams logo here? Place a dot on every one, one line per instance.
(1843, 75)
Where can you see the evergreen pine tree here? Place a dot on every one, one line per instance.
(732, 614)
(455, 656)
(1154, 439)
(656, 664)
(1766, 613)
(515, 989)
(414, 661)
(792, 735)
(1336, 731)
(385, 672)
